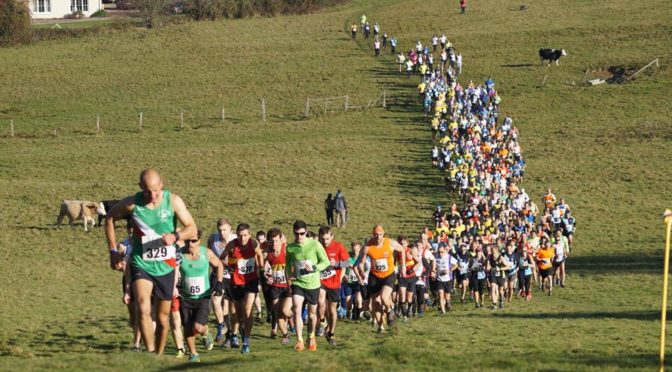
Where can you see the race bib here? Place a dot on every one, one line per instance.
(195, 285)
(326, 274)
(301, 267)
(380, 265)
(227, 272)
(245, 265)
(352, 277)
(480, 275)
(154, 250)
(279, 277)
(498, 274)
(444, 277)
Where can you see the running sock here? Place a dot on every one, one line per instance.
(220, 328)
(404, 309)
(246, 340)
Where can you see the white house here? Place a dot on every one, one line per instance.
(46, 9)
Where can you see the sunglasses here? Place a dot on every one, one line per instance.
(300, 233)
(192, 241)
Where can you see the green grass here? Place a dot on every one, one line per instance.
(603, 148)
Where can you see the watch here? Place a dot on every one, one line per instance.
(177, 235)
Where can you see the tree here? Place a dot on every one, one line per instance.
(152, 10)
(14, 21)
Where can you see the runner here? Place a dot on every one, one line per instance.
(527, 266)
(477, 278)
(513, 259)
(560, 246)
(276, 278)
(463, 257)
(497, 266)
(154, 212)
(305, 259)
(353, 285)
(406, 275)
(545, 264)
(244, 256)
(125, 248)
(330, 280)
(381, 280)
(196, 261)
(222, 305)
(445, 266)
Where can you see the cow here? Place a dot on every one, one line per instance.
(107, 205)
(551, 55)
(80, 209)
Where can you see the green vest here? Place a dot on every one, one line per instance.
(195, 275)
(149, 255)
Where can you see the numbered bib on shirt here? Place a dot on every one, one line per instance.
(245, 265)
(328, 273)
(195, 285)
(480, 275)
(154, 250)
(279, 277)
(444, 277)
(380, 265)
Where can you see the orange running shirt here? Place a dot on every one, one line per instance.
(382, 259)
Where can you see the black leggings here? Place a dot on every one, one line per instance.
(527, 283)
(420, 298)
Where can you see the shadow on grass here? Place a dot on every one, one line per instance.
(616, 264)
(644, 315)
(519, 65)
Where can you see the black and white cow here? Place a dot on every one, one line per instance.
(551, 55)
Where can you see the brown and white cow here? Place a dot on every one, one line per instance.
(80, 209)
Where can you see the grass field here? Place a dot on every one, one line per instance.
(603, 148)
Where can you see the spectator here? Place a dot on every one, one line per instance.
(329, 205)
(341, 210)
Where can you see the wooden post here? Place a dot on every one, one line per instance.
(140, 120)
(223, 114)
(346, 104)
(181, 119)
(97, 123)
(384, 103)
(263, 109)
(11, 128)
(326, 102)
(544, 81)
(54, 131)
(307, 107)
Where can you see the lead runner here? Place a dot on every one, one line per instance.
(154, 212)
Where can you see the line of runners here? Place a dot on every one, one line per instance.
(495, 242)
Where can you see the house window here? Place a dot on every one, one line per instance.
(79, 5)
(42, 6)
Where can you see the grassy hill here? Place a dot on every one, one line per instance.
(603, 148)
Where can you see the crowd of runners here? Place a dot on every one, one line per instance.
(498, 244)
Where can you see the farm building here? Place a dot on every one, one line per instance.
(47, 9)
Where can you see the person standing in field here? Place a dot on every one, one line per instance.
(155, 213)
(341, 210)
(195, 290)
(376, 46)
(393, 45)
(329, 206)
(463, 6)
(244, 257)
(305, 258)
(353, 30)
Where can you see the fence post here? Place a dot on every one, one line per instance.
(384, 103)
(181, 119)
(326, 102)
(346, 104)
(54, 131)
(307, 107)
(11, 128)
(140, 120)
(97, 123)
(263, 109)
(223, 114)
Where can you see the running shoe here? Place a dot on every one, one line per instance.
(245, 349)
(227, 342)
(477, 306)
(366, 315)
(312, 344)
(234, 342)
(285, 340)
(180, 354)
(194, 358)
(390, 318)
(136, 349)
(299, 347)
(331, 340)
(220, 329)
(207, 342)
(320, 329)
(274, 333)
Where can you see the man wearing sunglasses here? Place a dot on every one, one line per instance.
(305, 258)
(195, 263)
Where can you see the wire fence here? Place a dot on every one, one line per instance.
(167, 119)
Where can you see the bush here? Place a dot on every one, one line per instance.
(14, 21)
(100, 13)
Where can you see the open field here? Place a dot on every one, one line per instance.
(603, 148)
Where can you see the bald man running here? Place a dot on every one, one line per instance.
(154, 212)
